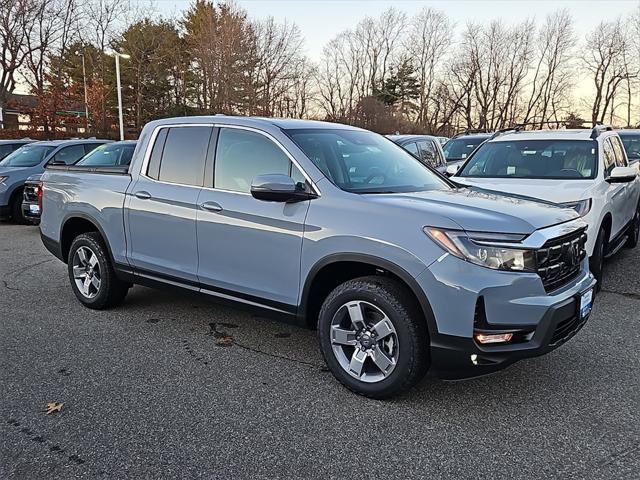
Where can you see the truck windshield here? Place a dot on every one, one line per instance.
(27, 156)
(565, 159)
(461, 148)
(365, 162)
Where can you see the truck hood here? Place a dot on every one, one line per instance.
(479, 210)
(556, 191)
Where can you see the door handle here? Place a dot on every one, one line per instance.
(142, 195)
(211, 207)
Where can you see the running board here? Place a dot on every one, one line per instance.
(620, 243)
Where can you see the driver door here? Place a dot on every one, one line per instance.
(616, 192)
(249, 248)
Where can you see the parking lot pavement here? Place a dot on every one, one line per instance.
(172, 386)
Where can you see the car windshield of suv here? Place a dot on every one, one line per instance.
(461, 148)
(631, 144)
(27, 156)
(109, 155)
(365, 162)
(566, 159)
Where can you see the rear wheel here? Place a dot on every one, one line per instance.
(91, 273)
(596, 262)
(373, 337)
(16, 209)
(634, 230)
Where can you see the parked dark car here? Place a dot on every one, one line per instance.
(631, 141)
(30, 160)
(116, 154)
(9, 146)
(425, 147)
(460, 147)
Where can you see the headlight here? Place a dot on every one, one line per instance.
(581, 206)
(486, 250)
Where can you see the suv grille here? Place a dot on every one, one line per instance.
(558, 261)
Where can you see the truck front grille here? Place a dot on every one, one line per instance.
(558, 260)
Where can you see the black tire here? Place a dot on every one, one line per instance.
(402, 309)
(634, 230)
(16, 209)
(596, 262)
(112, 290)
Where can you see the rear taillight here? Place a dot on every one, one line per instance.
(39, 195)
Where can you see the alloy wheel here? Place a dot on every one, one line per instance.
(86, 272)
(364, 341)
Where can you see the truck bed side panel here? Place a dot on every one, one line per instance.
(97, 197)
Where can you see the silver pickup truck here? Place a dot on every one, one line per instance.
(336, 228)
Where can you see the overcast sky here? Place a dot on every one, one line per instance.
(321, 20)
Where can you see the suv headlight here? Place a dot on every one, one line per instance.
(581, 206)
(485, 249)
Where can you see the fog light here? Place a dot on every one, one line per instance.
(474, 359)
(493, 338)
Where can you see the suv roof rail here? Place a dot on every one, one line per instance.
(599, 128)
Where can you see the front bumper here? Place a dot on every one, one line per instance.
(457, 290)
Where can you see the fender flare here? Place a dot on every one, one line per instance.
(378, 262)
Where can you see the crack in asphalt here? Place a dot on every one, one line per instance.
(43, 440)
(634, 296)
(615, 456)
(216, 333)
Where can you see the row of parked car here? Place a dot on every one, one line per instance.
(22, 163)
(402, 269)
(590, 170)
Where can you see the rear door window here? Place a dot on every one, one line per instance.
(183, 155)
(412, 148)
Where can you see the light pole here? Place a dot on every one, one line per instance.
(117, 56)
(86, 103)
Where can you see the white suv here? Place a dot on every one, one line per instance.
(586, 170)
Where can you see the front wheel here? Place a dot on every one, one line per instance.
(92, 276)
(596, 262)
(373, 337)
(16, 209)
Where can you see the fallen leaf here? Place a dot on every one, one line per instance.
(54, 407)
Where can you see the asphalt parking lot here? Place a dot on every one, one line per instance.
(172, 386)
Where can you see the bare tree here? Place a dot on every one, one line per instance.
(550, 83)
(278, 63)
(606, 60)
(16, 26)
(429, 39)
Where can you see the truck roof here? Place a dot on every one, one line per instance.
(81, 141)
(282, 123)
(568, 134)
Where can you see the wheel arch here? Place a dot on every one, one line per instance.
(76, 224)
(322, 279)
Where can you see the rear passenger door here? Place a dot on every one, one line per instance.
(162, 204)
(249, 248)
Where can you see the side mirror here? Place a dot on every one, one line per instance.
(452, 170)
(622, 175)
(277, 188)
